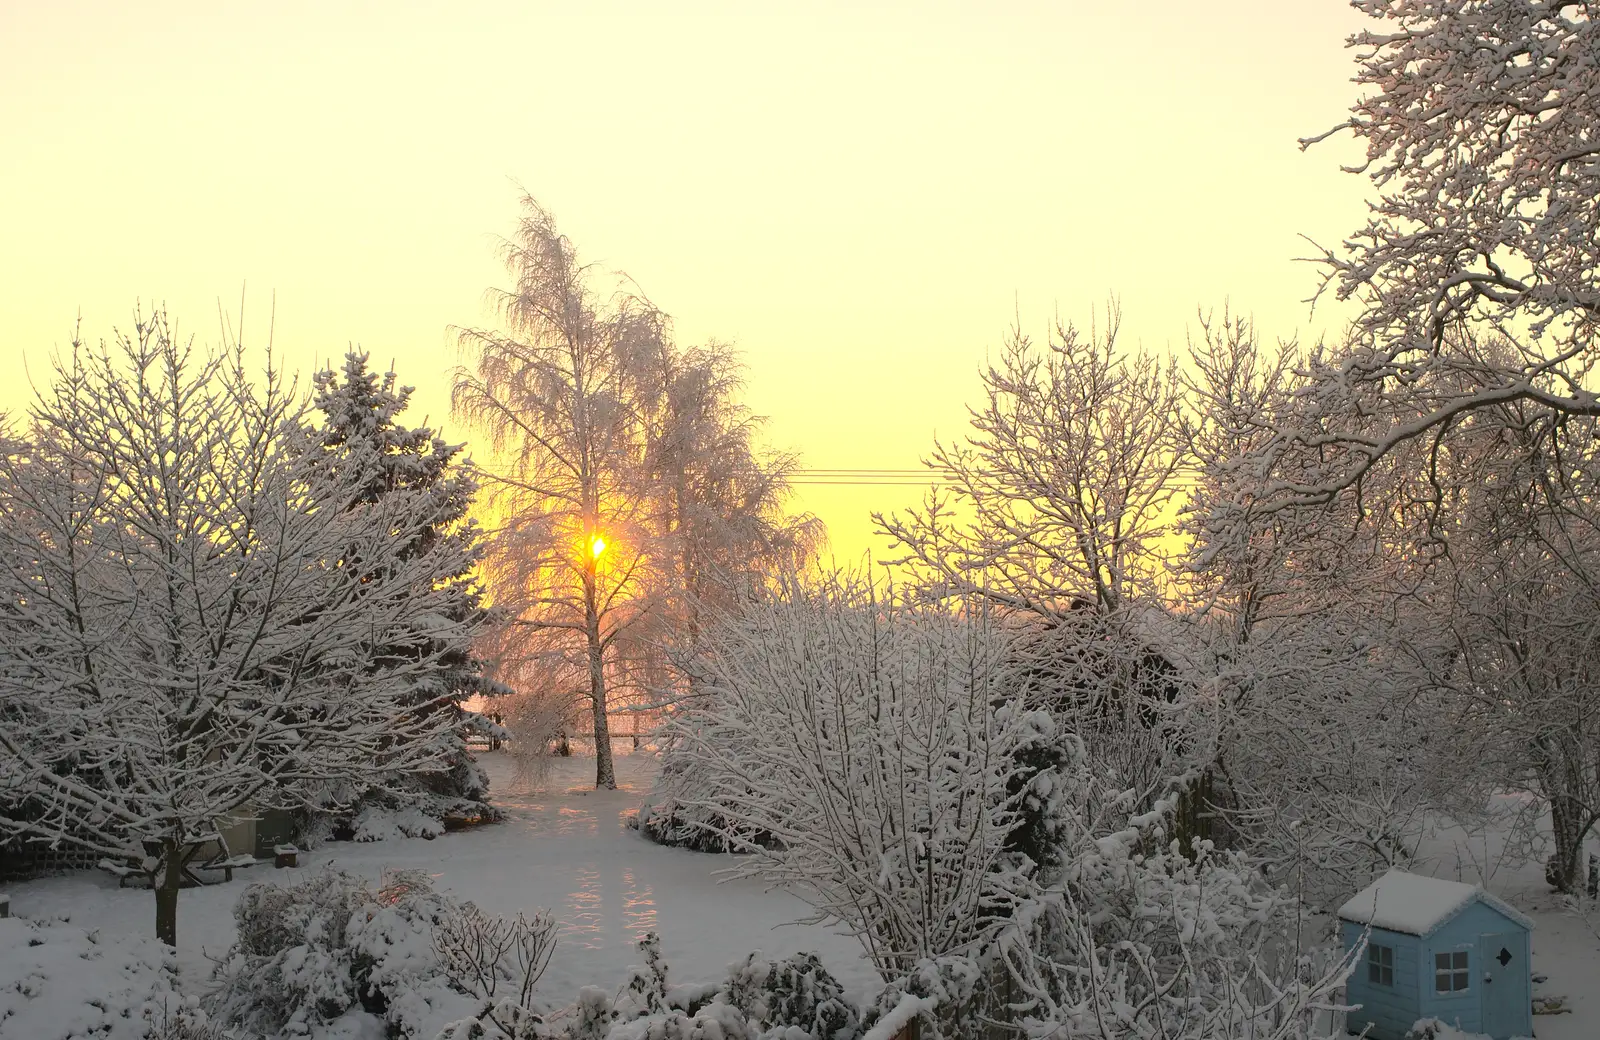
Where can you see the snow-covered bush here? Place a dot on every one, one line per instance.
(790, 999)
(183, 1020)
(1434, 1029)
(679, 813)
(311, 952)
(497, 960)
(379, 822)
(796, 992)
(1152, 944)
(58, 980)
(864, 746)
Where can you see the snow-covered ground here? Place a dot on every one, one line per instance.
(565, 848)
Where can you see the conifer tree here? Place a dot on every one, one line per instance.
(360, 426)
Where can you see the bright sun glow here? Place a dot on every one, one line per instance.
(597, 545)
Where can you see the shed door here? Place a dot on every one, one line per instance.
(1506, 997)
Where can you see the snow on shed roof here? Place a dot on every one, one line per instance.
(1417, 905)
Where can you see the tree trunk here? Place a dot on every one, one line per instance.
(171, 878)
(1563, 869)
(605, 774)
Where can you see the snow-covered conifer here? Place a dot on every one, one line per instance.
(360, 427)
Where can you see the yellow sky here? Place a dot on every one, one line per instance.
(855, 194)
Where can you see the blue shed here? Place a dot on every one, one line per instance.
(1438, 949)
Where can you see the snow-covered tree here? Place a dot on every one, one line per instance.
(1483, 143)
(555, 390)
(1065, 490)
(1303, 627)
(1060, 509)
(359, 426)
(1515, 597)
(188, 626)
(634, 490)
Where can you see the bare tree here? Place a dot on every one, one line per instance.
(1068, 484)
(183, 632)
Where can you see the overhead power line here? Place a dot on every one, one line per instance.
(865, 477)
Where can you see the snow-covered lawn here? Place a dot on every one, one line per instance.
(566, 849)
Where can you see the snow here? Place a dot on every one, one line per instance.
(1415, 904)
(58, 980)
(567, 849)
(899, 1016)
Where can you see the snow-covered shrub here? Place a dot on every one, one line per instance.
(58, 980)
(866, 748)
(794, 993)
(379, 822)
(1434, 1029)
(497, 960)
(790, 999)
(183, 1019)
(311, 952)
(1167, 943)
(678, 814)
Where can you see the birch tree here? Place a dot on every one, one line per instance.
(634, 489)
(555, 391)
(186, 626)
(718, 499)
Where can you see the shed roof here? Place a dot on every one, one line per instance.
(1417, 905)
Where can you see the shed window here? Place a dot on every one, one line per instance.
(1380, 965)
(1450, 972)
